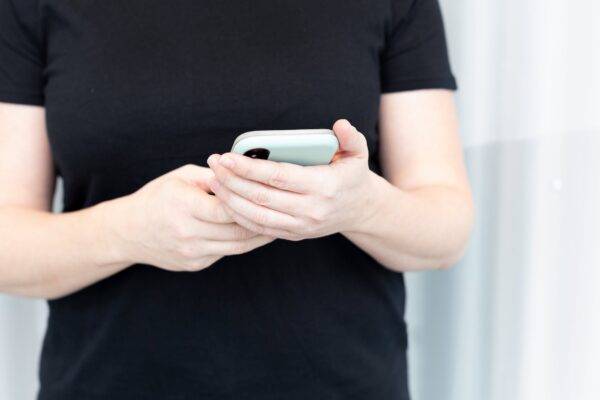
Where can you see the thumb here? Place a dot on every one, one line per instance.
(194, 175)
(352, 142)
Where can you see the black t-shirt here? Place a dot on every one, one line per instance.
(136, 88)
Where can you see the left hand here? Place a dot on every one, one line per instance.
(293, 202)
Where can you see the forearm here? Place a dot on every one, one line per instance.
(417, 229)
(51, 255)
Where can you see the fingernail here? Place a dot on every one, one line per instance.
(213, 158)
(226, 161)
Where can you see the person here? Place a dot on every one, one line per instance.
(168, 278)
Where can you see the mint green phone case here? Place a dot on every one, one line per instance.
(298, 146)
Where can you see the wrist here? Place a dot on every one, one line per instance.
(376, 193)
(111, 233)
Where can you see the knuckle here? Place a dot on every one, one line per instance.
(187, 168)
(243, 168)
(188, 266)
(225, 178)
(278, 177)
(261, 218)
(169, 186)
(318, 214)
(218, 213)
(186, 251)
(175, 191)
(185, 171)
(330, 188)
(222, 192)
(293, 237)
(181, 232)
(241, 233)
(194, 266)
(307, 229)
(257, 230)
(238, 247)
(261, 197)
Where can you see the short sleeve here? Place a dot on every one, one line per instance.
(416, 54)
(21, 60)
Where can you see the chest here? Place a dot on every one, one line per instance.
(142, 78)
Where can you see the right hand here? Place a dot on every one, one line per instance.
(175, 224)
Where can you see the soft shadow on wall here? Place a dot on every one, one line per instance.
(518, 317)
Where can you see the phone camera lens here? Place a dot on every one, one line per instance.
(262, 154)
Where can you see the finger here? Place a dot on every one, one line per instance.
(284, 176)
(193, 174)
(224, 232)
(204, 206)
(229, 248)
(352, 142)
(287, 202)
(262, 230)
(258, 214)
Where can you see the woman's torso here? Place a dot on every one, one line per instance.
(137, 88)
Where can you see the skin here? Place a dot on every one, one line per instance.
(172, 222)
(419, 217)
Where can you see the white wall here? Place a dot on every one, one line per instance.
(518, 318)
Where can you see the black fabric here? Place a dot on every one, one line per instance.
(136, 88)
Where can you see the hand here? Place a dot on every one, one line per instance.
(293, 202)
(175, 224)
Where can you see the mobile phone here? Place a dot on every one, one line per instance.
(297, 146)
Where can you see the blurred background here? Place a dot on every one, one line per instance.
(519, 317)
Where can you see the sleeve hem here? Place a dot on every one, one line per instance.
(22, 98)
(416, 84)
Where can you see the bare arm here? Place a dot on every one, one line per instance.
(41, 254)
(419, 217)
(172, 222)
(422, 214)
